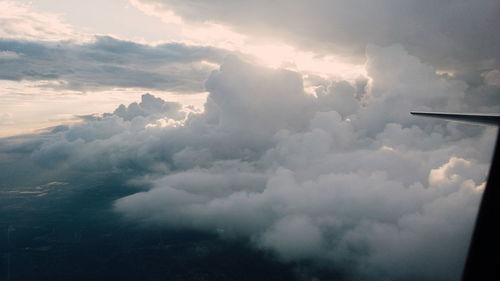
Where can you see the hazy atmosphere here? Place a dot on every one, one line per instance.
(242, 140)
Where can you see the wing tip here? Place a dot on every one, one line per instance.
(483, 119)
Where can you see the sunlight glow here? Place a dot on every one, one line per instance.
(19, 21)
(266, 53)
(28, 106)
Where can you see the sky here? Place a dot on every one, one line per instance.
(280, 126)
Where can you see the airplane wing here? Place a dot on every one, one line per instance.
(485, 119)
(483, 259)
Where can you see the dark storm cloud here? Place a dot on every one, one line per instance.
(347, 181)
(108, 63)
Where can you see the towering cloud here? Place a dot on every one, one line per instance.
(456, 37)
(375, 195)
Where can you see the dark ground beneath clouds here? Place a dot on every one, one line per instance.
(72, 234)
(267, 183)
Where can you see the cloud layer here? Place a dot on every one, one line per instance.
(346, 178)
(108, 63)
(445, 34)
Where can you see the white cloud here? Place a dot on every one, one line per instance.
(338, 173)
(369, 190)
(19, 21)
(330, 37)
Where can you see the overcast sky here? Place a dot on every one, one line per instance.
(282, 123)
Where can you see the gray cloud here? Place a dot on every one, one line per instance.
(446, 34)
(108, 63)
(348, 181)
(456, 36)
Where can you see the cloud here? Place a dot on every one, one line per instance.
(294, 237)
(109, 63)
(8, 55)
(19, 21)
(453, 36)
(344, 180)
(257, 100)
(444, 34)
(5, 118)
(150, 106)
(492, 77)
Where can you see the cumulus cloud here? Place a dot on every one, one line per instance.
(455, 37)
(263, 102)
(108, 63)
(347, 181)
(150, 106)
